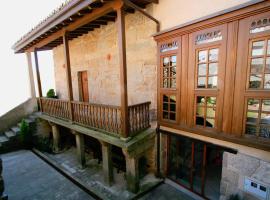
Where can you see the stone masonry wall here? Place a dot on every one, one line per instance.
(97, 52)
(238, 166)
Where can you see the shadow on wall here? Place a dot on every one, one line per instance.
(15, 115)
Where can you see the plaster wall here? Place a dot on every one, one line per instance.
(175, 12)
(97, 52)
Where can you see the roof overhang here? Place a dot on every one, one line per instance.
(78, 17)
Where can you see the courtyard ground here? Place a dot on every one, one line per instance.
(27, 177)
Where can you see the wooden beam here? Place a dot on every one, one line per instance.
(30, 75)
(123, 69)
(38, 80)
(68, 73)
(95, 14)
(38, 74)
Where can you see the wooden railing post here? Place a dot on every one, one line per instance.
(38, 79)
(123, 69)
(68, 73)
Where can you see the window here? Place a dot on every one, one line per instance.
(207, 68)
(169, 72)
(259, 59)
(205, 111)
(169, 107)
(258, 117)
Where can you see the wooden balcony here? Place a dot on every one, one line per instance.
(97, 116)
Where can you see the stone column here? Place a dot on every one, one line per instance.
(107, 162)
(56, 138)
(2, 185)
(31, 75)
(132, 172)
(80, 148)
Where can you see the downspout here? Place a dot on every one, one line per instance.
(135, 7)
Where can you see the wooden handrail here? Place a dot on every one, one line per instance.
(99, 116)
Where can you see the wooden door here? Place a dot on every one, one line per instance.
(83, 86)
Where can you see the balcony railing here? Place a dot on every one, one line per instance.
(98, 116)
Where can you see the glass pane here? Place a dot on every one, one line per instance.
(173, 107)
(255, 81)
(200, 111)
(165, 115)
(252, 117)
(210, 123)
(253, 104)
(250, 130)
(173, 83)
(200, 100)
(266, 105)
(173, 61)
(265, 118)
(165, 72)
(165, 83)
(268, 47)
(256, 66)
(211, 101)
(257, 48)
(202, 56)
(202, 70)
(212, 82)
(264, 131)
(172, 116)
(201, 82)
(267, 81)
(198, 167)
(172, 99)
(199, 120)
(165, 98)
(213, 68)
(173, 71)
(267, 67)
(210, 112)
(213, 55)
(166, 62)
(165, 106)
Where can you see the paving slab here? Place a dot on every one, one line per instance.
(28, 177)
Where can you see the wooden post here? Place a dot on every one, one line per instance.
(123, 69)
(68, 73)
(38, 79)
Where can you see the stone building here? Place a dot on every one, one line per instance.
(201, 70)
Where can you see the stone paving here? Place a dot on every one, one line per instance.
(27, 177)
(166, 192)
(92, 176)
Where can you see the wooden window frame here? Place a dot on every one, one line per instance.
(264, 57)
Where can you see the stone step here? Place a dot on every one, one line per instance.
(28, 121)
(3, 139)
(10, 134)
(16, 130)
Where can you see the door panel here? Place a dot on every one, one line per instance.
(83, 86)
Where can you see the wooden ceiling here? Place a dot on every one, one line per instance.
(25, 43)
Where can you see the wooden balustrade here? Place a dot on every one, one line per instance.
(139, 118)
(104, 117)
(99, 116)
(55, 107)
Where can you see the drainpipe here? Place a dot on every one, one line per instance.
(135, 7)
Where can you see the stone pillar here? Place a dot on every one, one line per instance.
(132, 172)
(31, 75)
(56, 138)
(80, 148)
(107, 162)
(2, 185)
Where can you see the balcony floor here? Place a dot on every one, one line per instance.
(129, 144)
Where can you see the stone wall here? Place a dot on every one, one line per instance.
(238, 166)
(97, 52)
